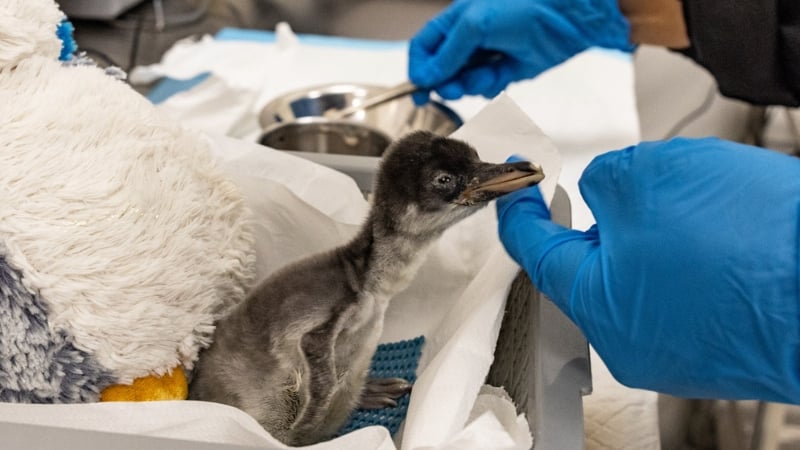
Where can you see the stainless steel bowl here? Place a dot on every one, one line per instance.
(296, 121)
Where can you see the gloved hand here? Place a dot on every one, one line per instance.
(689, 282)
(480, 46)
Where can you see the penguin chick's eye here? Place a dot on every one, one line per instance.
(443, 180)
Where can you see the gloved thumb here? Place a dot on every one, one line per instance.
(553, 256)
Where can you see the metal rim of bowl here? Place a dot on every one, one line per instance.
(313, 92)
(314, 120)
(317, 91)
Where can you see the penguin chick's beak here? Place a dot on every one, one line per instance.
(493, 180)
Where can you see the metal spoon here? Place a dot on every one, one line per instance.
(387, 95)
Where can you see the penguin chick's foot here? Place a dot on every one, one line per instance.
(383, 392)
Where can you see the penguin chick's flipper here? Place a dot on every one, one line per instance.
(383, 392)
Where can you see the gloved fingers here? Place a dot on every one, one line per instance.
(428, 39)
(473, 81)
(421, 97)
(515, 158)
(491, 79)
(555, 257)
(455, 51)
(478, 80)
(451, 90)
(529, 198)
(443, 47)
(421, 49)
(505, 73)
(533, 193)
(523, 218)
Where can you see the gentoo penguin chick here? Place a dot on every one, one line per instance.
(296, 353)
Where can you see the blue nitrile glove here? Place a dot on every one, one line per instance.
(688, 284)
(478, 47)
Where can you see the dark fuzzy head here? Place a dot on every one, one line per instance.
(429, 182)
(424, 169)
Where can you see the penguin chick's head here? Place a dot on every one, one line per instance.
(428, 182)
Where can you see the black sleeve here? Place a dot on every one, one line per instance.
(752, 48)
